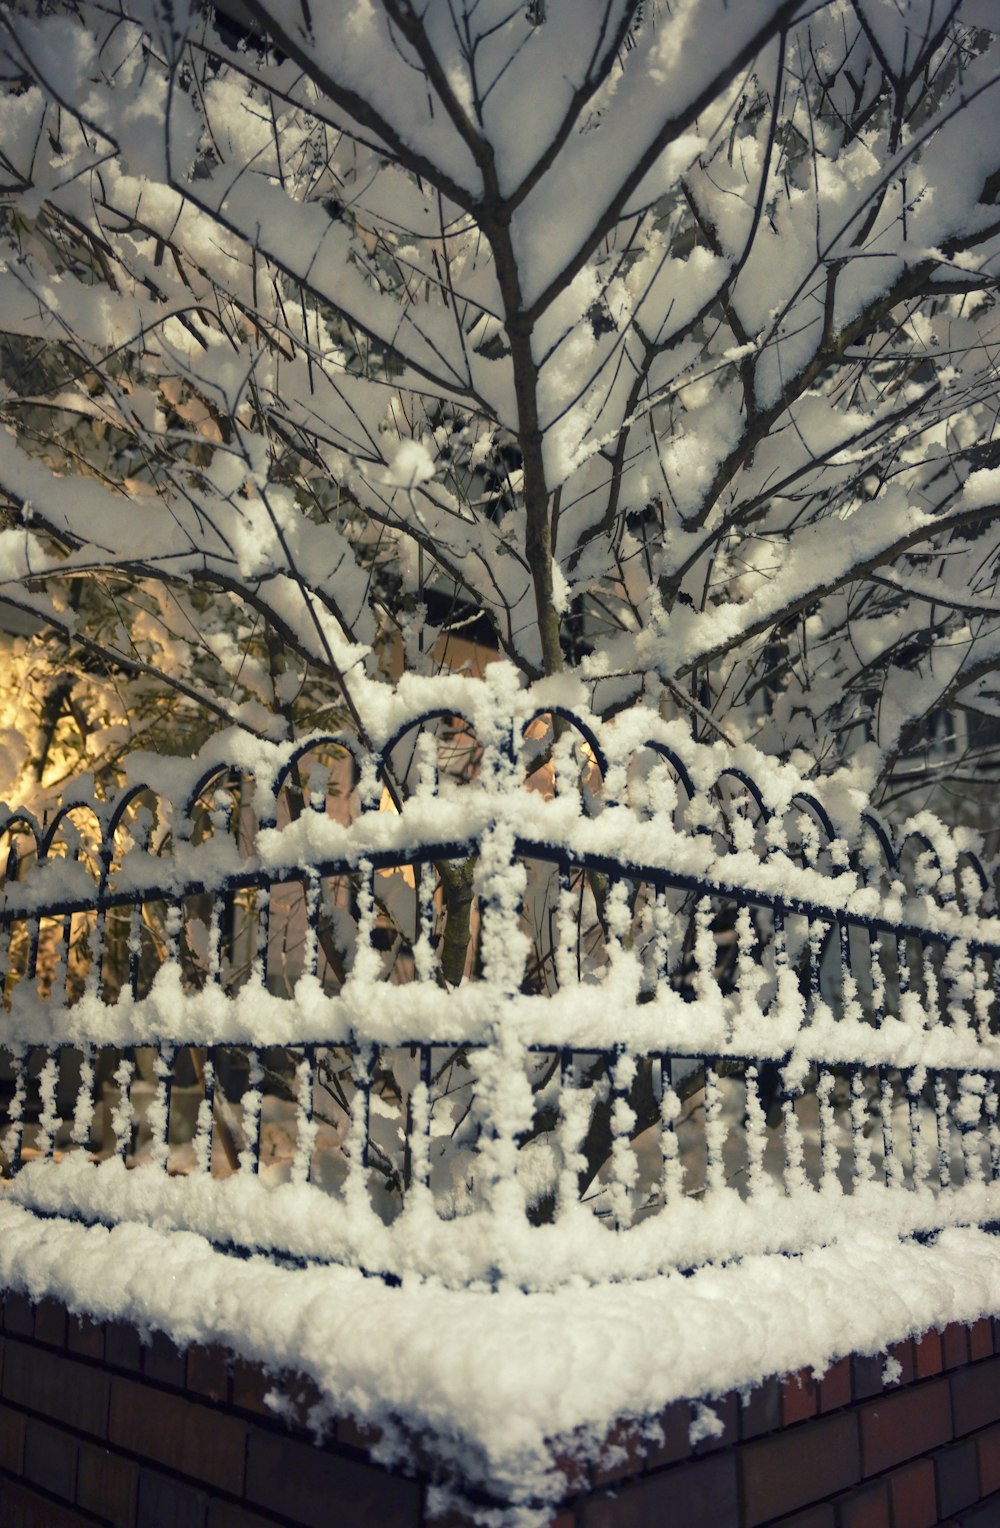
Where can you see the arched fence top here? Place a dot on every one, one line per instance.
(810, 803)
(883, 837)
(749, 784)
(63, 816)
(697, 836)
(586, 731)
(21, 816)
(665, 752)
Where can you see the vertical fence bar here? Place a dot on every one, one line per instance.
(83, 1113)
(261, 962)
(13, 1140)
(311, 891)
(356, 1141)
(851, 1007)
(624, 1168)
(48, 1117)
(943, 1123)
(158, 1113)
(206, 1113)
(418, 1135)
(704, 951)
(567, 952)
(981, 997)
(795, 1170)
(122, 1116)
(424, 961)
(672, 1172)
(249, 1156)
(829, 1151)
(922, 1165)
(756, 1132)
(969, 1114)
(305, 1125)
(864, 1167)
(33, 927)
(877, 976)
(992, 1128)
(134, 947)
(891, 1166)
(574, 1117)
(715, 1131)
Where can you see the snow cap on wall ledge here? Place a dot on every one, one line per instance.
(500, 1379)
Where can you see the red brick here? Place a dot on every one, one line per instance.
(314, 1486)
(905, 1424)
(866, 1378)
(85, 1337)
(208, 1371)
(24, 1508)
(975, 1393)
(60, 1388)
(11, 1439)
(903, 1353)
(798, 1397)
(50, 1458)
(914, 1501)
(122, 1347)
(955, 1345)
(981, 1338)
(835, 1386)
(726, 1409)
(191, 1438)
(622, 1454)
(988, 1446)
(18, 1314)
(957, 1477)
(302, 1403)
(50, 1323)
(357, 1435)
(820, 1516)
(251, 1382)
(762, 1411)
(674, 1423)
(107, 1484)
(867, 1507)
(574, 1469)
(163, 1361)
(223, 1514)
(701, 1494)
(164, 1502)
(986, 1515)
(797, 1468)
(927, 1354)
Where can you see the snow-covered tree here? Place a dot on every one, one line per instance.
(660, 336)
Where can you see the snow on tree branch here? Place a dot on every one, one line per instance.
(656, 341)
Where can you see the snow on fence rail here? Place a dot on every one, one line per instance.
(507, 996)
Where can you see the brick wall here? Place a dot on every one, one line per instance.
(847, 1452)
(99, 1428)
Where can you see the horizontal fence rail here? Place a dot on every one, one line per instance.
(465, 1002)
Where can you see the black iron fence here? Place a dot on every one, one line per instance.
(469, 1001)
